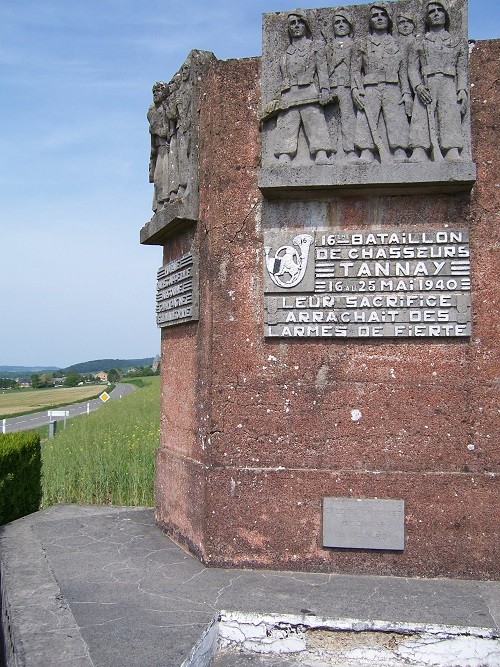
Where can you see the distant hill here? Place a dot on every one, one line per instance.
(23, 370)
(85, 367)
(105, 364)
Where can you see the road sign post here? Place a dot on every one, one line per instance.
(58, 413)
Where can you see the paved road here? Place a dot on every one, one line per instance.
(36, 419)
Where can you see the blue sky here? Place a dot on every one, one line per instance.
(75, 84)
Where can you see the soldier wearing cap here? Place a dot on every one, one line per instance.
(339, 70)
(406, 25)
(182, 117)
(304, 89)
(438, 74)
(380, 86)
(160, 136)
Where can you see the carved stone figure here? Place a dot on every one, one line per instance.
(173, 152)
(159, 131)
(339, 54)
(438, 75)
(406, 26)
(304, 89)
(406, 23)
(380, 86)
(180, 120)
(174, 163)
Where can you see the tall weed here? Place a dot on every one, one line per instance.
(106, 457)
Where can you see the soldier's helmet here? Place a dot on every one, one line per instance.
(406, 15)
(301, 14)
(298, 12)
(403, 14)
(345, 14)
(382, 5)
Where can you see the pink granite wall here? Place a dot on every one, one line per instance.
(255, 432)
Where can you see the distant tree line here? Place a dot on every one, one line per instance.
(100, 364)
(41, 381)
(72, 378)
(7, 383)
(114, 374)
(141, 371)
(48, 380)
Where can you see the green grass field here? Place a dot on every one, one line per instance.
(106, 457)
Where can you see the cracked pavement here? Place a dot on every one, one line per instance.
(104, 586)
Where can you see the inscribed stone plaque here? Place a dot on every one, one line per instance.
(363, 284)
(177, 292)
(367, 523)
(365, 96)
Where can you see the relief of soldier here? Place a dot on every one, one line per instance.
(160, 137)
(181, 132)
(438, 75)
(173, 152)
(390, 93)
(339, 54)
(170, 120)
(405, 22)
(304, 90)
(380, 88)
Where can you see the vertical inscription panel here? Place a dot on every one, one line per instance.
(363, 284)
(177, 291)
(368, 523)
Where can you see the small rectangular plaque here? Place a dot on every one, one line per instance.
(363, 523)
(177, 291)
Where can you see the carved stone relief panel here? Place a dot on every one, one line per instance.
(173, 165)
(366, 95)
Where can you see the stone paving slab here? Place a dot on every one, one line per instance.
(104, 586)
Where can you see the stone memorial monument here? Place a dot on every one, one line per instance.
(330, 354)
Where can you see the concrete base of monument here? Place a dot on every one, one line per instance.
(289, 641)
(273, 518)
(99, 586)
(169, 220)
(388, 179)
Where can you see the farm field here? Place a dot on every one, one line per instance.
(108, 456)
(17, 401)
